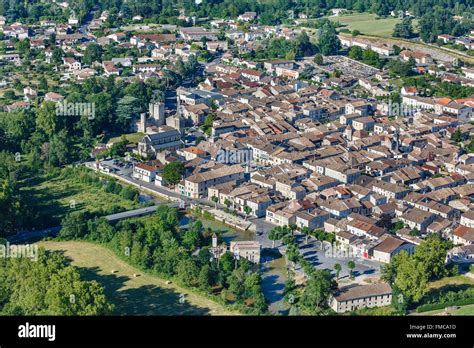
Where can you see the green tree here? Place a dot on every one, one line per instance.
(57, 57)
(59, 149)
(371, 58)
(351, 265)
(414, 232)
(355, 53)
(403, 29)
(188, 272)
(431, 253)
(457, 136)
(46, 119)
(318, 59)
(317, 289)
(173, 172)
(274, 235)
(307, 232)
(43, 83)
(337, 268)
(329, 43)
(470, 147)
(207, 124)
(92, 53)
(204, 278)
(411, 277)
(215, 199)
(9, 208)
(48, 286)
(247, 211)
(73, 226)
(128, 107)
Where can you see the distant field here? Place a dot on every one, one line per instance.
(367, 23)
(142, 295)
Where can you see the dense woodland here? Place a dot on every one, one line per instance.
(48, 286)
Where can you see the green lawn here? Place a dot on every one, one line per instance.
(456, 281)
(141, 295)
(464, 310)
(132, 138)
(54, 197)
(367, 23)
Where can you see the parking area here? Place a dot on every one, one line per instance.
(320, 259)
(121, 167)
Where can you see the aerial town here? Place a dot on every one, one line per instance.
(300, 169)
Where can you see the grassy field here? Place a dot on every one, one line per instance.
(455, 282)
(367, 23)
(142, 295)
(132, 138)
(463, 310)
(55, 197)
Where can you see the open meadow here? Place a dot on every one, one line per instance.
(141, 295)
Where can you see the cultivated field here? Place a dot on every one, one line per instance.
(142, 295)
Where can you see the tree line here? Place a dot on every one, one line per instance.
(270, 12)
(48, 286)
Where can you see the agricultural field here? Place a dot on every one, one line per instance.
(130, 290)
(367, 23)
